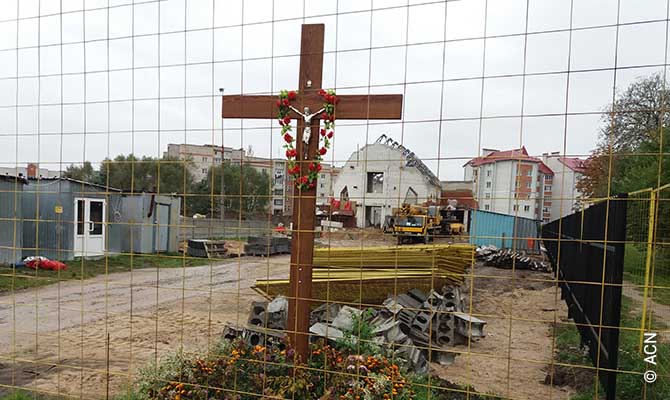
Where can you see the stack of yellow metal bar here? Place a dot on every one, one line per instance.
(370, 274)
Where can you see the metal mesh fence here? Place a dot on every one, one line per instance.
(180, 217)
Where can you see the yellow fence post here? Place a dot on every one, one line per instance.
(647, 268)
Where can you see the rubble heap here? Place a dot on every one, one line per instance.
(418, 326)
(508, 259)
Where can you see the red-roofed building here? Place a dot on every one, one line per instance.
(463, 198)
(511, 182)
(567, 172)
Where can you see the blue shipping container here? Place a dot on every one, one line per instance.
(504, 231)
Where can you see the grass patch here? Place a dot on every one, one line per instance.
(12, 278)
(635, 258)
(630, 384)
(23, 394)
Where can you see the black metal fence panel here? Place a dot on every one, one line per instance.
(587, 250)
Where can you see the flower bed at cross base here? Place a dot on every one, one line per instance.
(235, 370)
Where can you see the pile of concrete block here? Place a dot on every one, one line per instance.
(266, 322)
(267, 245)
(418, 326)
(508, 259)
(272, 315)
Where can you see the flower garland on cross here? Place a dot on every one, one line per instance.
(303, 182)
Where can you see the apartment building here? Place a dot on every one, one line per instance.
(567, 173)
(512, 182)
(203, 157)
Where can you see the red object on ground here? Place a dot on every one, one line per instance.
(347, 206)
(336, 205)
(46, 264)
(52, 265)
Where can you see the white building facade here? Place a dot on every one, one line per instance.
(567, 173)
(381, 176)
(511, 182)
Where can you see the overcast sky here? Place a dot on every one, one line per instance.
(181, 54)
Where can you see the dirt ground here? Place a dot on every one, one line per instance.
(55, 337)
(521, 306)
(61, 345)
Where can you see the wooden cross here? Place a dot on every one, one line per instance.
(304, 202)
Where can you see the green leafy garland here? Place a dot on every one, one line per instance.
(308, 181)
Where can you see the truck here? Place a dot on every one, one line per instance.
(413, 223)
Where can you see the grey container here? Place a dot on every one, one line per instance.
(11, 226)
(135, 223)
(49, 233)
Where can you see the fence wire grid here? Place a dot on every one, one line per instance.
(146, 241)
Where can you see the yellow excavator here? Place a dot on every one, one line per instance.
(413, 223)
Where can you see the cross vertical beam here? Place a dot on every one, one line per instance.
(304, 201)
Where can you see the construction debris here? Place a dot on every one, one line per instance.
(267, 245)
(508, 259)
(416, 325)
(206, 248)
(338, 273)
(271, 315)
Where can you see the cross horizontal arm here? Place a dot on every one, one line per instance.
(376, 106)
(351, 106)
(243, 106)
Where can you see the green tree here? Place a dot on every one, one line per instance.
(632, 150)
(84, 172)
(129, 173)
(245, 189)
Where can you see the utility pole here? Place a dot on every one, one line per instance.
(223, 161)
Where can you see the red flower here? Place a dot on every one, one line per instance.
(330, 135)
(323, 150)
(330, 98)
(323, 132)
(312, 166)
(303, 179)
(312, 185)
(322, 92)
(290, 153)
(278, 103)
(287, 120)
(288, 138)
(286, 102)
(318, 167)
(324, 115)
(295, 170)
(292, 95)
